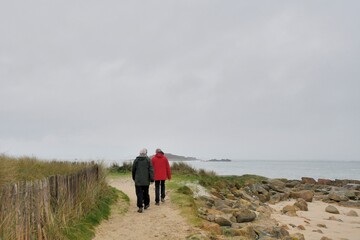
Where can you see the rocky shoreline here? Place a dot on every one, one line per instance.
(248, 212)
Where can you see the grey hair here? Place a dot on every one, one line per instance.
(143, 152)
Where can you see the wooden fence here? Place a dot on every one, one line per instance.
(27, 209)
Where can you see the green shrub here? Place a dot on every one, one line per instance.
(124, 168)
(185, 190)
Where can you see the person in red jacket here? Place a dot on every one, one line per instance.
(162, 172)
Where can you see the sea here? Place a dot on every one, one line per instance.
(293, 170)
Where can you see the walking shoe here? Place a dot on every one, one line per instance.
(162, 199)
(147, 206)
(157, 204)
(140, 210)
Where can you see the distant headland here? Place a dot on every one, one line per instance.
(219, 160)
(173, 157)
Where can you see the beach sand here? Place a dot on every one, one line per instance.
(342, 227)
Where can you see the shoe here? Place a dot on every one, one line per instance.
(147, 206)
(140, 210)
(157, 204)
(162, 199)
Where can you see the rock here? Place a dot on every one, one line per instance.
(335, 219)
(321, 225)
(307, 180)
(244, 215)
(301, 204)
(289, 210)
(265, 210)
(338, 196)
(259, 191)
(322, 181)
(276, 198)
(222, 221)
(212, 227)
(298, 236)
(352, 213)
(271, 231)
(197, 236)
(352, 204)
(242, 203)
(332, 209)
(292, 184)
(277, 185)
(318, 231)
(325, 238)
(246, 232)
(301, 227)
(230, 196)
(307, 195)
(351, 194)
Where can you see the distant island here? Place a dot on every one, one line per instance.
(219, 160)
(173, 157)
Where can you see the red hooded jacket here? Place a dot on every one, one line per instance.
(161, 167)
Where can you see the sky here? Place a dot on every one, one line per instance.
(277, 80)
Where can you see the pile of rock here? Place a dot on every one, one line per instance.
(245, 211)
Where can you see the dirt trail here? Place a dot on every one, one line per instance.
(157, 222)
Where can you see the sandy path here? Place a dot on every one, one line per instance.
(347, 228)
(157, 222)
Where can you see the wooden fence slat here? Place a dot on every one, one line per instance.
(27, 207)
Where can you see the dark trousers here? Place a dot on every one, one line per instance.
(142, 194)
(159, 186)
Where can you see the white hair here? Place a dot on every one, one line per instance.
(143, 152)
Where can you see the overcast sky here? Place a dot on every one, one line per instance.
(208, 79)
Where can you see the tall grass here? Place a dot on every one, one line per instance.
(14, 169)
(91, 205)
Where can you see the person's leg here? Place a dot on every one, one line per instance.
(157, 191)
(162, 190)
(139, 195)
(146, 196)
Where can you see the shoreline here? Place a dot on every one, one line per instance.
(317, 223)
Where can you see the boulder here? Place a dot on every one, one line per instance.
(352, 213)
(260, 192)
(292, 184)
(307, 195)
(277, 185)
(244, 215)
(323, 181)
(298, 236)
(276, 198)
(222, 221)
(276, 232)
(307, 180)
(301, 204)
(338, 196)
(265, 210)
(246, 232)
(332, 209)
(212, 227)
(289, 210)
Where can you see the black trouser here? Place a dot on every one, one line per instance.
(159, 184)
(143, 197)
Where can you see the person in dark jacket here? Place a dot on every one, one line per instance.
(143, 175)
(162, 172)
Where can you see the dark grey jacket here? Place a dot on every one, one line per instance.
(142, 171)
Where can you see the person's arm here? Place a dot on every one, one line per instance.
(151, 171)
(168, 170)
(133, 170)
